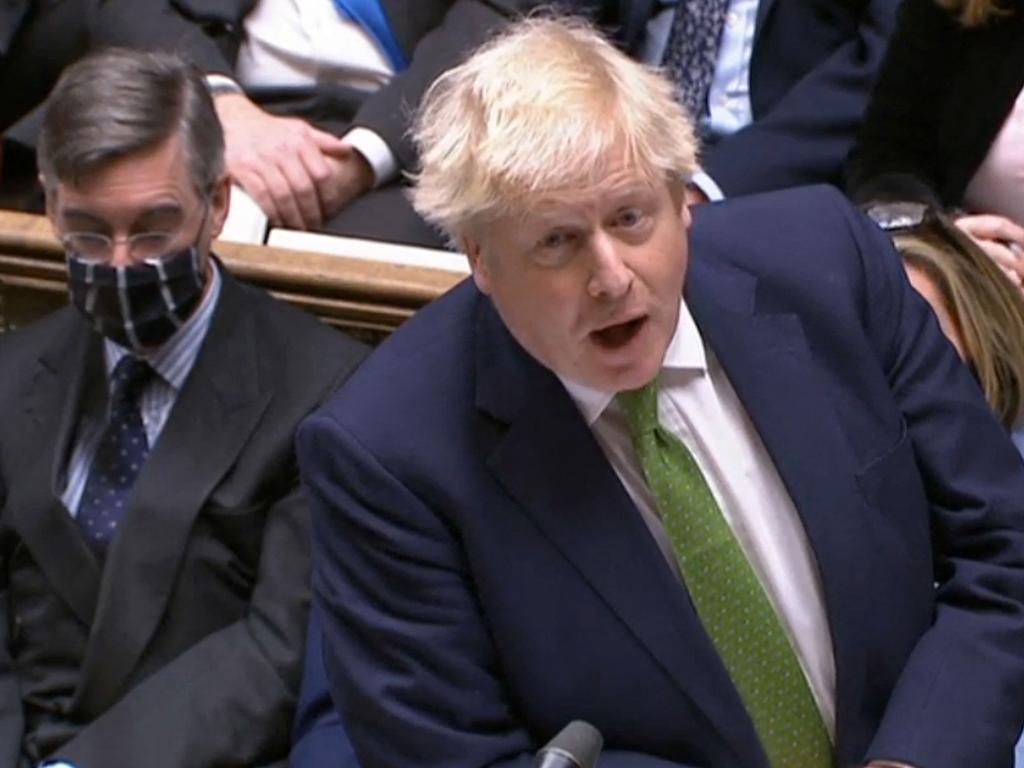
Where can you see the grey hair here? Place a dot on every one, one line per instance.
(118, 102)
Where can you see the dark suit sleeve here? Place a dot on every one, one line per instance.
(11, 716)
(407, 653)
(896, 156)
(12, 723)
(958, 699)
(207, 32)
(805, 137)
(320, 738)
(203, 708)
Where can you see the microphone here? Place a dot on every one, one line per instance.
(575, 746)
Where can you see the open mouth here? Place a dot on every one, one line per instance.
(620, 334)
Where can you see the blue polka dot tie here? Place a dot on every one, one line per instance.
(727, 594)
(120, 454)
(692, 51)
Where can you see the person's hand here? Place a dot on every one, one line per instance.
(299, 175)
(1001, 239)
(351, 175)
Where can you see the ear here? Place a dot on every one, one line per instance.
(220, 204)
(478, 264)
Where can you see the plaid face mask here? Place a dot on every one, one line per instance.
(141, 305)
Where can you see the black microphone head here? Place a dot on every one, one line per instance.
(579, 742)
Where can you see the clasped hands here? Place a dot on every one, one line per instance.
(300, 176)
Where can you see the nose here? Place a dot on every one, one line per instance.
(611, 277)
(120, 252)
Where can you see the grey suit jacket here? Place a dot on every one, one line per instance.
(185, 647)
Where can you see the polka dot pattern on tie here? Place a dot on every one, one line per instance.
(728, 596)
(120, 455)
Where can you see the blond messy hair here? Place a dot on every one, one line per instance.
(547, 107)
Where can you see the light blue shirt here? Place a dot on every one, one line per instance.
(172, 362)
(729, 107)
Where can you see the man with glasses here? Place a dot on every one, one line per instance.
(153, 543)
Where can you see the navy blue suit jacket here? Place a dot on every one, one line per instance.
(485, 577)
(811, 72)
(318, 738)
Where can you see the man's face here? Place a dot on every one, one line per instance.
(148, 192)
(590, 283)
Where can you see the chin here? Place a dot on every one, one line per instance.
(622, 379)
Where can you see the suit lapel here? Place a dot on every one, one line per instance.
(769, 364)
(764, 7)
(68, 376)
(550, 463)
(216, 411)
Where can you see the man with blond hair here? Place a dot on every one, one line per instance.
(724, 491)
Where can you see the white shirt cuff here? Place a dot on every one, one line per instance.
(376, 151)
(222, 84)
(707, 185)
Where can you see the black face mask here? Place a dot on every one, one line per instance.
(139, 306)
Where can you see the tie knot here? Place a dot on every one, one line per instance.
(129, 377)
(641, 407)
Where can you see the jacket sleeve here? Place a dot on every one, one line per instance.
(207, 32)
(12, 723)
(805, 137)
(957, 700)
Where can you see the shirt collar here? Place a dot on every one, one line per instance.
(173, 359)
(685, 352)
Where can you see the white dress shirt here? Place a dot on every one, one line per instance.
(729, 107)
(305, 42)
(698, 405)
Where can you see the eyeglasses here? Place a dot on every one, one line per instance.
(142, 246)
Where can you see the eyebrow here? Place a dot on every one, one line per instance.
(82, 217)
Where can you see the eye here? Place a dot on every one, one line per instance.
(150, 245)
(555, 248)
(629, 218)
(555, 240)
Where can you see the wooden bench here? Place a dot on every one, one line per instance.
(366, 298)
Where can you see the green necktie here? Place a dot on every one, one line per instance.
(728, 596)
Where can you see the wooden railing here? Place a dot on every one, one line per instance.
(366, 298)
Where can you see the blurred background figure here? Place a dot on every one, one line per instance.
(38, 38)
(315, 95)
(945, 125)
(777, 89)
